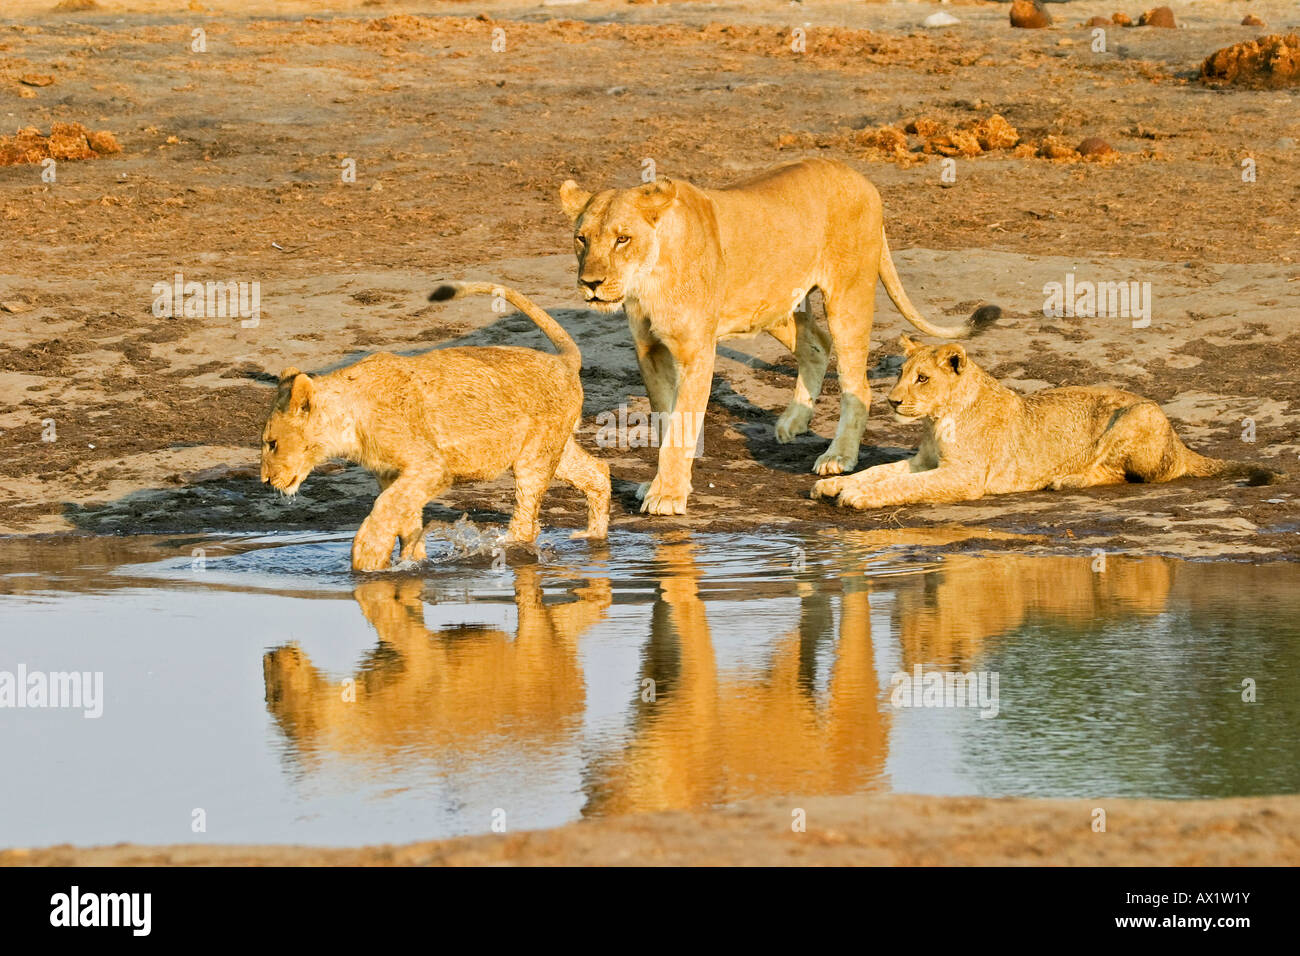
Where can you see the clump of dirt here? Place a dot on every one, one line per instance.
(1158, 17)
(891, 144)
(73, 6)
(1267, 63)
(66, 141)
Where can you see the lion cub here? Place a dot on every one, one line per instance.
(981, 438)
(420, 424)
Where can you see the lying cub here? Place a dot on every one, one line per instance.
(982, 438)
(423, 423)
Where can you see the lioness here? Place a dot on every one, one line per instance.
(982, 438)
(422, 423)
(692, 266)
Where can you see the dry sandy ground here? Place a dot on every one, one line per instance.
(230, 170)
(841, 831)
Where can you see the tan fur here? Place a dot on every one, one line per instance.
(692, 266)
(421, 424)
(982, 438)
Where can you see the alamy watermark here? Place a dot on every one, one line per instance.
(208, 300)
(946, 689)
(72, 690)
(623, 429)
(1087, 299)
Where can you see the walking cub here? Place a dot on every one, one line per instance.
(981, 438)
(421, 424)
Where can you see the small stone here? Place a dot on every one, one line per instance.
(13, 307)
(1158, 17)
(1121, 19)
(1250, 20)
(940, 20)
(1098, 22)
(36, 79)
(1030, 15)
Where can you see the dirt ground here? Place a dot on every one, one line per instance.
(840, 831)
(231, 169)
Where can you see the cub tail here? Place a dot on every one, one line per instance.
(568, 349)
(1198, 466)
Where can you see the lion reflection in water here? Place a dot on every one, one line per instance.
(441, 692)
(812, 717)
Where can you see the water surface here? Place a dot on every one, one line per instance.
(256, 684)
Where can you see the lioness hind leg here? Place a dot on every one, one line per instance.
(591, 477)
(812, 351)
(849, 313)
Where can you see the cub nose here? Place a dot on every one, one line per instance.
(592, 284)
(894, 403)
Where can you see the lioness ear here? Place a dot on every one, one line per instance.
(953, 355)
(573, 198)
(656, 197)
(908, 345)
(301, 389)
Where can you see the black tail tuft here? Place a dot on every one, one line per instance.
(1262, 476)
(442, 293)
(984, 316)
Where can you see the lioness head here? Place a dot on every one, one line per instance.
(931, 380)
(614, 237)
(290, 450)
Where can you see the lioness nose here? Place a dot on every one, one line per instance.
(592, 284)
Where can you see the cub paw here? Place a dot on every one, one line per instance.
(828, 488)
(834, 463)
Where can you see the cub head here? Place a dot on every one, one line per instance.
(931, 380)
(290, 449)
(614, 237)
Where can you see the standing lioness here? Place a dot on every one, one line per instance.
(692, 266)
(982, 438)
(422, 423)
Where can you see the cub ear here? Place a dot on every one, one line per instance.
(953, 355)
(296, 391)
(908, 345)
(657, 197)
(573, 198)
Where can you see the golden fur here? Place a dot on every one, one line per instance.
(982, 438)
(692, 266)
(423, 423)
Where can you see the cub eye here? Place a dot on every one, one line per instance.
(270, 445)
(622, 240)
(921, 379)
(581, 240)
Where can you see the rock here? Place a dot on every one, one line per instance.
(1250, 20)
(36, 79)
(1094, 146)
(1030, 15)
(1098, 22)
(14, 307)
(1158, 17)
(1271, 62)
(1121, 19)
(940, 20)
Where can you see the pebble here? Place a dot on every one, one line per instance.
(1030, 15)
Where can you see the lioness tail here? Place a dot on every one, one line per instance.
(984, 316)
(553, 330)
(1198, 466)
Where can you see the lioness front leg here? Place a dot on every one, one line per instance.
(926, 487)
(680, 434)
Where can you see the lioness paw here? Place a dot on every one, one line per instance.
(794, 421)
(828, 487)
(656, 503)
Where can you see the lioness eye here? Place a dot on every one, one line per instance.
(622, 240)
(270, 446)
(582, 240)
(922, 379)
